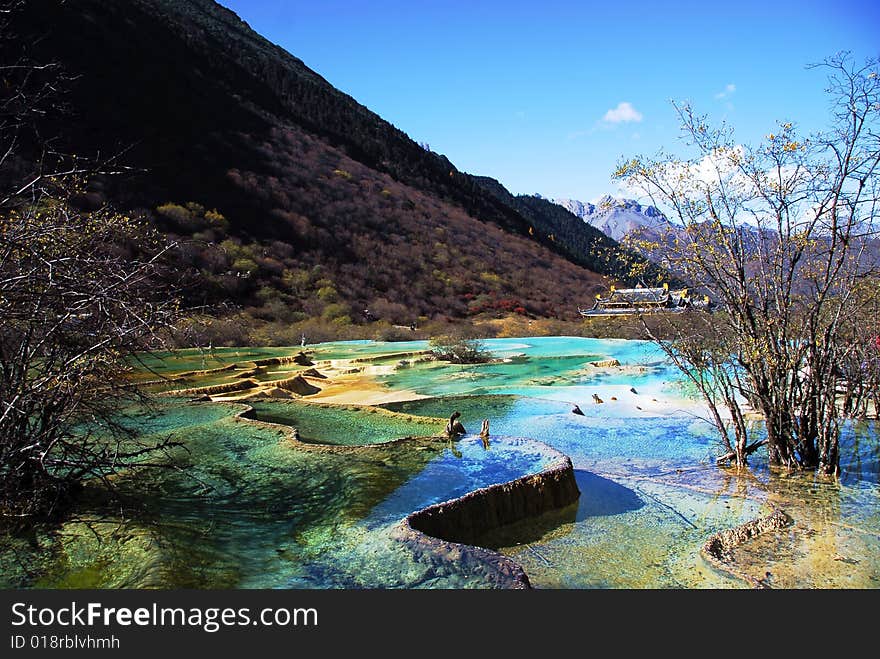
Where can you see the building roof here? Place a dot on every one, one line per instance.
(637, 295)
(638, 300)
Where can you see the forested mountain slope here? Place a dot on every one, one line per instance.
(297, 201)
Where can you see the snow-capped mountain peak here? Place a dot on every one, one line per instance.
(614, 217)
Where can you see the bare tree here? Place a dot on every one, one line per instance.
(80, 294)
(781, 236)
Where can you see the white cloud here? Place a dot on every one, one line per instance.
(728, 90)
(718, 172)
(714, 170)
(623, 113)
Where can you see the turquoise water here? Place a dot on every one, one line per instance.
(345, 425)
(253, 510)
(555, 368)
(364, 554)
(651, 494)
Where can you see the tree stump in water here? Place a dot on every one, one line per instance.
(454, 427)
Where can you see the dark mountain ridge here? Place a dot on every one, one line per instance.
(323, 208)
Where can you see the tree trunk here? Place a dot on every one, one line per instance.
(780, 443)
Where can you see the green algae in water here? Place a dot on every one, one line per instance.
(192, 359)
(441, 379)
(364, 555)
(253, 509)
(495, 408)
(259, 514)
(247, 500)
(345, 425)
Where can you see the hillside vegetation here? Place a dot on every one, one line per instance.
(296, 202)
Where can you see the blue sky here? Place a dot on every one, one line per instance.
(547, 96)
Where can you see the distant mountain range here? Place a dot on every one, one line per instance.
(617, 218)
(626, 218)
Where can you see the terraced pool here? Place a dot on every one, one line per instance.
(250, 507)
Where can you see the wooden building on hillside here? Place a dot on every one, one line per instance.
(644, 300)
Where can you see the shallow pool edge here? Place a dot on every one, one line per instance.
(448, 530)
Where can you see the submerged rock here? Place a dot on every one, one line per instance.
(302, 359)
(276, 392)
(605, 363)
(463, 520)
(298, 385)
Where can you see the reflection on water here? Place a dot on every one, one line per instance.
(253, 510)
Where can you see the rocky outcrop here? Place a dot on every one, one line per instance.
(188, 374)
(231, 387)
(299, 358)
(275, 392)
(302, 359)
(251, 372)
(298, 385)
(496, 569)
(605, 363)
(393, 355)
(447, 531)
(465, 519)
(718, 549)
